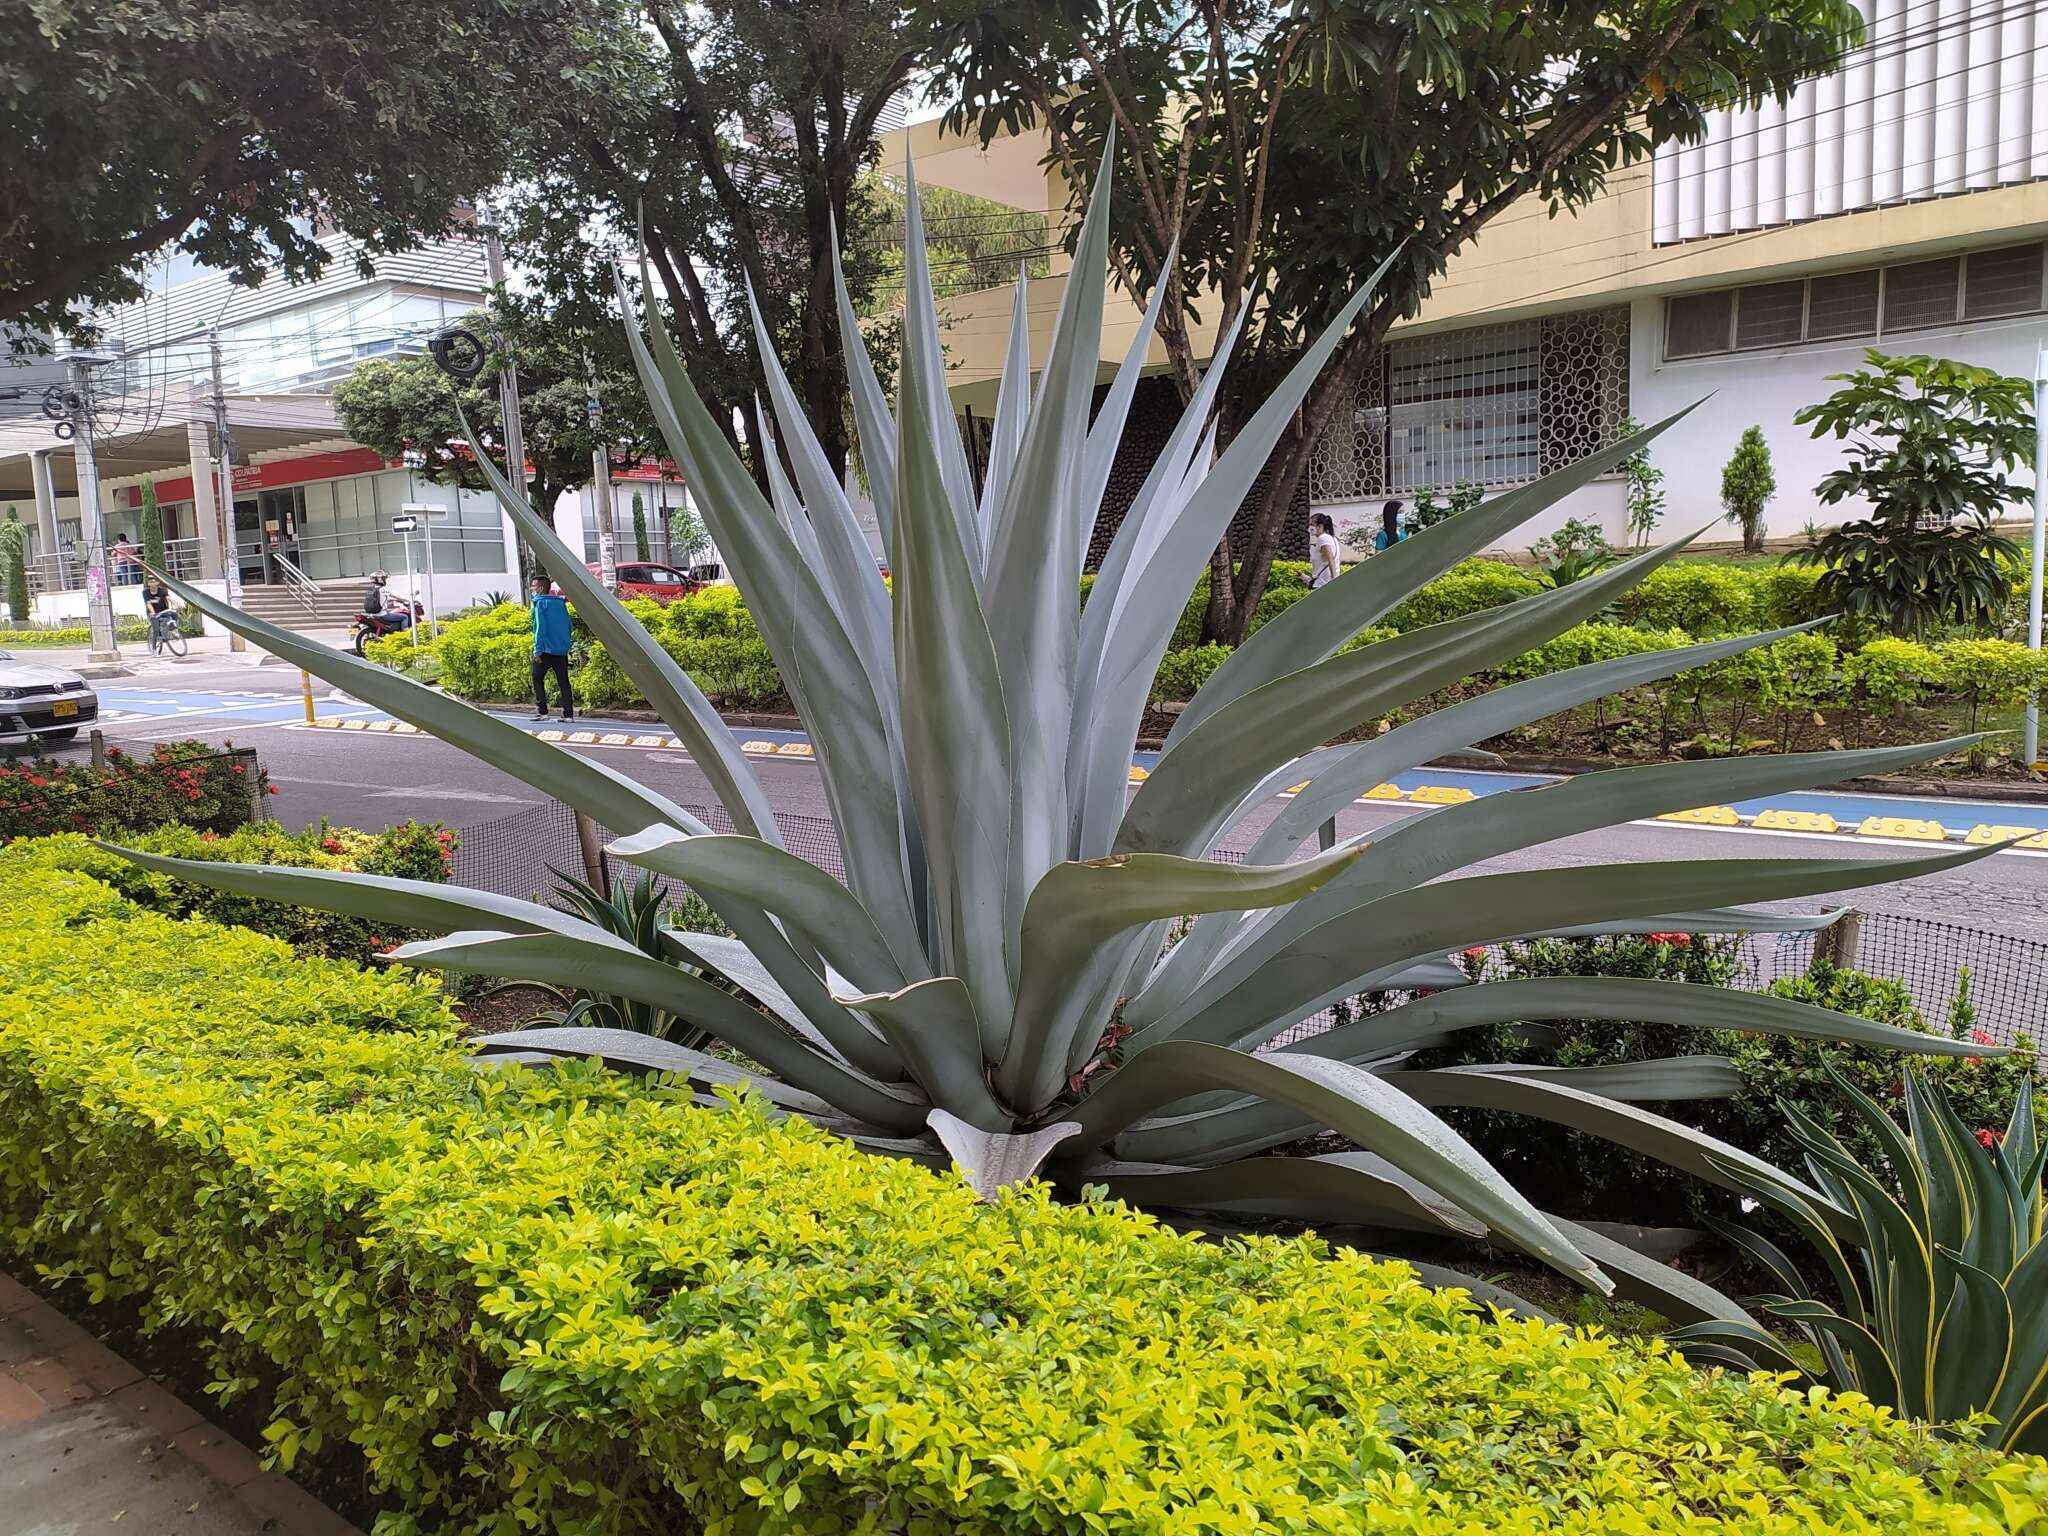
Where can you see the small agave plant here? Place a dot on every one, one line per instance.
(1939, 1267)
(1007, 901)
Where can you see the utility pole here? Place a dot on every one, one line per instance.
(2032, 746)
(601, 486)
(99, 600)
(508, 376)
(224, 491)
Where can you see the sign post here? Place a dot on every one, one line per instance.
(2031, 751)
(423, 513)
(404, 524)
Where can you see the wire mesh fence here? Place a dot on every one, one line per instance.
(2007, 977)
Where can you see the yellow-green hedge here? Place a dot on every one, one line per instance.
(569, 1302)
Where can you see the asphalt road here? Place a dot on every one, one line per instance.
(362, 779)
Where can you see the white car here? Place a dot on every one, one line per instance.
(46, 702)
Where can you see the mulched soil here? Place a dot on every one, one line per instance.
(498, 1012)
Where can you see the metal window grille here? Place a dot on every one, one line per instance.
(1493, 405)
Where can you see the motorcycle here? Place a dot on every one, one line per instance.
(374, 626)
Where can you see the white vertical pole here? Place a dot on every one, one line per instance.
(411, 591)
(2032, 745)
(99, 601)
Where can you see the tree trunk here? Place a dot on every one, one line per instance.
(1753, 535)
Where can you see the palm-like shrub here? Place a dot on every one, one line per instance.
(993, 979)
(1937, 1262)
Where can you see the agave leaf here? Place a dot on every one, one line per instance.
(955, 732)
(927, 415)
(1195, 783)
(630, 1051)
(1106, 432)
(600, 963)
(1874, 1376)
(873, 423)
(1350, 1101)
(1973, 1343)
(1346, 1186)
(1744, 1346)
(933, 1028)
(993, 1161)
(1265, 990)
(679, 702)
(2026, 1382)
(761, 961)
(1013, 411)
(594, 789)
(1649, 1282)
(402, 903)
(1767, 1254)
(1328, 617)
(738, 964)
(777, 881)
(818, 662)
(1076, 911)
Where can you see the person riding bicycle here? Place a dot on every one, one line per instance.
(163, 613)
(379, 603)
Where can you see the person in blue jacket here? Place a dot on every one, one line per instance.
(550, 648)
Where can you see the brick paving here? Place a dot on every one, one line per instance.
(87, 1443)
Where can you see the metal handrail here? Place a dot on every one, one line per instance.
(301, 586)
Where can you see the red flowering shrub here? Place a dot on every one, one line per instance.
(189, 783)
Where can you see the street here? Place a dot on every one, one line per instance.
(368, 779)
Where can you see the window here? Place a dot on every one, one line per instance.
(2003, 282)
(1922, 294)
(1463, 407)
(1842, 304)
(1698, 324)
(1769, 314)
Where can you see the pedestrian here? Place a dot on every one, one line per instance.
(1390, 532)
(550, 647)
(1322, 551)
(126, 567)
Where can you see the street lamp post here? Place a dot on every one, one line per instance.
(99, 599)
(2032, 744)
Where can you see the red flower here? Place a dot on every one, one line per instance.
(1978, 1037)
(270, 789)
(1988, 1138)
(239, 770)
(1476, 952)
(1675, 940)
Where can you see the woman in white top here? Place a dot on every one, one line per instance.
(1322, 551)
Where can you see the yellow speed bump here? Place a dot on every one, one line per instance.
(1706, 816)
(1984, 832)
(614, 739)
(328, 723)
(382, 725)
(355, 725)
(1912, 828)
(794, 749)
(757, 746)
(1385, 792)
(406, 728)
(1138, 775)
(1442, 794)
(652, 741)
(549, 735)
(583, 738)
(1796, 821)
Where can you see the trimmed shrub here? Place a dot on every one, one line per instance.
(1990, 675)
(1584, 643)
(1706, 601)
(411, 851)
(1595, 1180)
(1891, 673)
(568, 1300)
(1785, 594)
(1182, 672)
(1470, 587)
(191, 783)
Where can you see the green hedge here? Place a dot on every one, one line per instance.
(568, 1301)
(191, 783)
(79, 636)
(412, 850)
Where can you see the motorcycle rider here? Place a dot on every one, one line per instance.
(381, 605)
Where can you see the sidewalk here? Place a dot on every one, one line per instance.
(87, 1441)
(207, 651)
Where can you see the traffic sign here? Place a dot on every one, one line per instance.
(424, 508)
(404, 522)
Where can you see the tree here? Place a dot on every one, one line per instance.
(1930, 443)
(1234, 122)
(1747, 486)
(733, 135)
(240, 132)
(391, 405)
(14, 554)
(640, 549)
(152, 520)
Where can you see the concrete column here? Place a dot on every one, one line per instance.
(205, 503)
(46, 502)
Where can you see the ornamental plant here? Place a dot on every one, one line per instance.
(14, 557)
(1747, 486)
(189, 783)
(1935, 1264)
(992, 981)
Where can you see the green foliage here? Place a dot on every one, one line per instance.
(1182, 672)
(410, 851)
(1990, 675)
(1596, 1181)
(973, 244)
(152, 521)
(1586, 643)
(1645, 482)
(1747, 486)
(157, 125)
(14, 559)
(1469, 588)
(1892, 673)
(1932, 1252)
(1929, 445)
(567, 1300)
(1704, 600)
(640, 545)
(191, 783)
(1786, 594)
(636, 913)
(1573, 552)
(1427, 511)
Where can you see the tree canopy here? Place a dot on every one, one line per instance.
(239, 132)
(1289, 148)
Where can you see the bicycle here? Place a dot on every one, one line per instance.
(166, 634)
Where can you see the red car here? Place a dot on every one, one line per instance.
(640, 578)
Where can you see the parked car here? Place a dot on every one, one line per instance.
(46, 702)
(640, 578)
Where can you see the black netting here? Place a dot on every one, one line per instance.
(2008, 976)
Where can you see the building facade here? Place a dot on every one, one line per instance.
(1898, 203)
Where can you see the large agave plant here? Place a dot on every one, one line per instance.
(1007, 901)
(1938, 1267)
